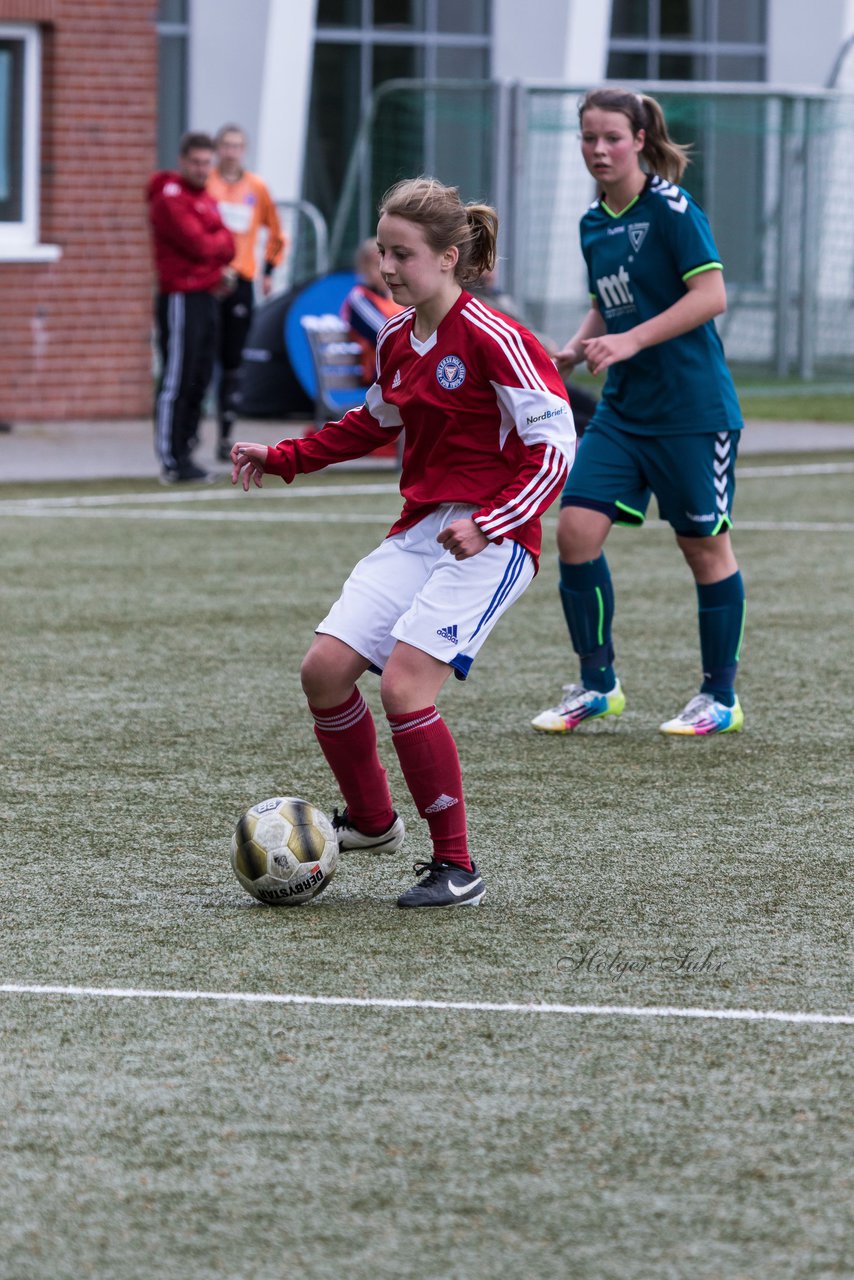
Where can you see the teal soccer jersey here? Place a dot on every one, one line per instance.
(637, 263)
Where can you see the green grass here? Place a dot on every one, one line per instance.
(797, 406)
(768, 398)
(151, 694)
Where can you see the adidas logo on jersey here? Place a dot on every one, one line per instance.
(395, 382)
(440, 803)
(448, 633)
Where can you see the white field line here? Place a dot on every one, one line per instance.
(228, 493)
(213, 494)
(790, 526)
(794, 469)
(174, 505)
(256, 516)
(463, 1006)
(259, 515)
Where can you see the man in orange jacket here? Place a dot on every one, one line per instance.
(245, 205)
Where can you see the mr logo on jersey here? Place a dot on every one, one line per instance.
(614, 290)
(451, 372)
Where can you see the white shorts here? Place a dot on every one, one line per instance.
(412, 589)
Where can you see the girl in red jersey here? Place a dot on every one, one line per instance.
(488, 442)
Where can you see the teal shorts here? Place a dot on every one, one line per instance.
(692, 477)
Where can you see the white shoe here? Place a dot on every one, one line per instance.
(352, 840)
(704, 715)
(577, 705)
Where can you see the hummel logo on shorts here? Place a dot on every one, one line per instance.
(448, 633)
(442, 802)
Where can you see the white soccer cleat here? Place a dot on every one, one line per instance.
(577, 705)
(352, 840)
(704, 715)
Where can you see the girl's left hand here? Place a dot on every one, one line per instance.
(608, 349)
(463, 539)
(248, 458)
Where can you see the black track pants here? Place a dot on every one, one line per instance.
(186, 325)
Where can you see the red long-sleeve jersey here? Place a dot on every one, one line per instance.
(191, 243)
(486, 419)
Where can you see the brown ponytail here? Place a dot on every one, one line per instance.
(660, 153)
(446, 221)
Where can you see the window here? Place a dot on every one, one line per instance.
(399, 15)
(339, 13)
(20, 138)
(11, 114)
(687, 40)
(172, 44)
(716, 40)
(361, 44)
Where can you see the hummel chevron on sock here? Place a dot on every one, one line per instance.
(348, 740)
(587, 596)
(721, 608)
(430, 764)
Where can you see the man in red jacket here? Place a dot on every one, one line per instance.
(192, 250)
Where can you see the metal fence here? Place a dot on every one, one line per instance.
(773, 168)
(308, 244)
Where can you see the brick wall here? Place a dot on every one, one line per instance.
(75, 335)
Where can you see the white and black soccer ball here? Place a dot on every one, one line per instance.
(284, 851)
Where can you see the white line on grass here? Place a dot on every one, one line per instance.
(794, 469)
(465, 1006)
(769, 526)
(256, 516)
(322, 517)
(227, 493)
(214, 494)
(259, 515)
(793, 526)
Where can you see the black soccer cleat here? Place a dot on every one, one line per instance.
(443, 885)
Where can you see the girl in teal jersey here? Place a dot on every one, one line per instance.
(668, 422)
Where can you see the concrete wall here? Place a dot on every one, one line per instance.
(801, 52)
(551, 40)
(250, 62)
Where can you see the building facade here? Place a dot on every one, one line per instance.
(300, 73)
(78, 115)
(94, 95)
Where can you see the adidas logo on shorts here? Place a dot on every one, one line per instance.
(448, 633)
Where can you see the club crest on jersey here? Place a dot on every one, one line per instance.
(637, 234)
(451, 372)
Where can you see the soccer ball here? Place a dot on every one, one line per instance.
(284, 851)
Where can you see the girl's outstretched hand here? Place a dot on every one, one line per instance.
(567, 358)
(248, 459)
